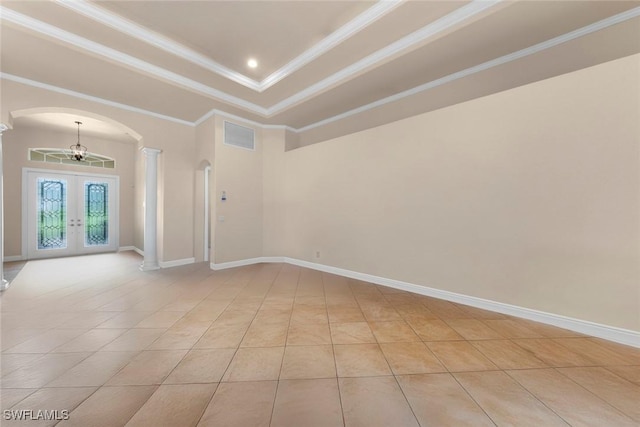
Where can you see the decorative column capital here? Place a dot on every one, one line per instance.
(148, 151)
(3, 127)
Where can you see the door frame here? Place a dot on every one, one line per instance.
(25, 203)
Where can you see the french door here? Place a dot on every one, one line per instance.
(70, 214)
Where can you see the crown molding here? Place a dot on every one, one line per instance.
(211, 113)
(381, 8)
(115, 21)
(436, 27)
(51, 88)
(235, 118)
(155, 39)
(128, 60)
(360, 22)
(597, 26)
(592, 28)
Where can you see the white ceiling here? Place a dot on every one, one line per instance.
(325, 67)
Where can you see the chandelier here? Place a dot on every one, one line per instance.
(78, 151)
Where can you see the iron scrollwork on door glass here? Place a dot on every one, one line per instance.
(96, 218)
(52, 213)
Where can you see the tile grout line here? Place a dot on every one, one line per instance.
(251, 284)
(593, 393)
(574, 382)
(473, 398)
(333, 351)
(157, 386)
(167, 376)
(275, 395)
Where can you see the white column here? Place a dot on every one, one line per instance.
(3, 283)
(207, 170)
(150, 209)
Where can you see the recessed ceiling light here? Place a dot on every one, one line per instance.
(252, 63)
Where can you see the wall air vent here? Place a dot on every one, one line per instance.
(239, 136)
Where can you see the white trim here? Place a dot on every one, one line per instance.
(24, 218)
(607, 22)
(159, 41)
(126, 248)
(51, 88)
(13, 258)
(612, 20)
(431, 30)
(216, 112)
(243, 262)
(205, 249)
(176, 262)
(207, 116)
(4, 284)
(611, 333)
(126, 59)
(150, 225)
(362, 21)
(71, 172)
(139, 251)
(155, 39)
(351, 28)
(211, 113)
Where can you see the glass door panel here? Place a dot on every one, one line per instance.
(52, 213)
(96, 213)
(70, 214)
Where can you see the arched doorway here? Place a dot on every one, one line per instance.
(68, 208)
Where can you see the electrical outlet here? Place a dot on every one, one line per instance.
(317, 254)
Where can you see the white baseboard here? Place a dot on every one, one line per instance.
(176, 262)
(13, 258)
(611, 333)
(162, 264)
(243, 262)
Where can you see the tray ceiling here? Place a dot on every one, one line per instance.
(321, 64)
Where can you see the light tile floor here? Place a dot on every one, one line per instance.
(280, 345)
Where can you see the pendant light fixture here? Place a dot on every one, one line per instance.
(78, 151)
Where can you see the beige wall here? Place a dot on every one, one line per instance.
(16, 144)
(176, 162)
(176, 194)
(528, 197)
(238, 172)
(274, 221)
